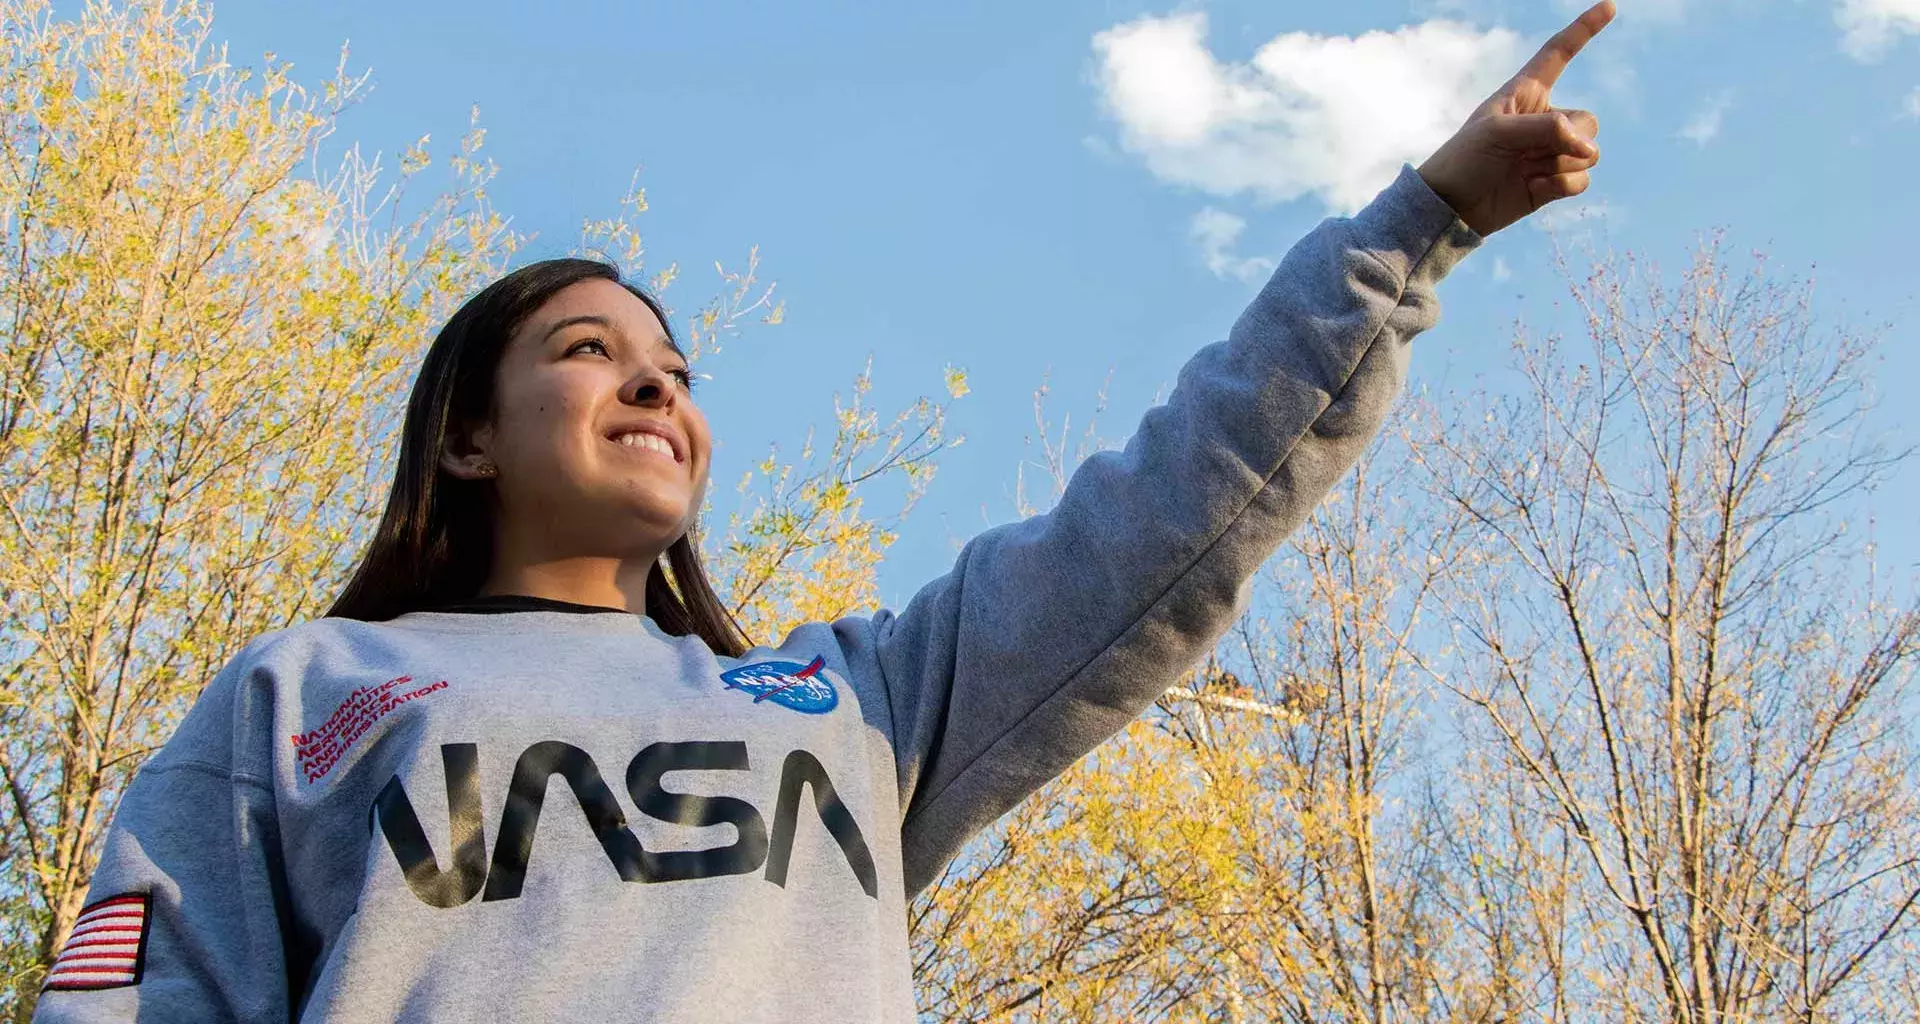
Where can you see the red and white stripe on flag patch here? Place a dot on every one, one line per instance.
(108, 945)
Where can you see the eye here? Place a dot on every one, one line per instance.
(590, 343)
(684, 376)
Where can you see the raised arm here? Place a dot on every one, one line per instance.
(1049, 635)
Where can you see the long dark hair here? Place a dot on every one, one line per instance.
(434, 545)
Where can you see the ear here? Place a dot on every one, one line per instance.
(464, 455)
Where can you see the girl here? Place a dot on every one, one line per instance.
(527, 769)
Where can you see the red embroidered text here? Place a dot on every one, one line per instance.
(322, 748)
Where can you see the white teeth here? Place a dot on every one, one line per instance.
(651, 442)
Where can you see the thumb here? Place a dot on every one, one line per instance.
(1551, 132)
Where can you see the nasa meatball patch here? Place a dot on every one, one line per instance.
(806, 688)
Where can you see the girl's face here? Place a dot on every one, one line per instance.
(597, 446)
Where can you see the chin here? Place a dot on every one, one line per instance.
(667, 523)
(630, 517)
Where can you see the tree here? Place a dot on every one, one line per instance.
(203, 344)
(1684, 680)
(802, 547)
(1340, 916)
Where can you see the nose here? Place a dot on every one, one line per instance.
(651, 388)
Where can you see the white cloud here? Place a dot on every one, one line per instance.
(1617, 76)
(1705, 125)
(1577, 215)
(1500, 269)
(1328, 116)
(1216, 231)
(1870, 27)
(1911, 105)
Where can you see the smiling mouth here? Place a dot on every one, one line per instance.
(650, 443)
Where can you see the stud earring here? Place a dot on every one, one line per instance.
(486, 469)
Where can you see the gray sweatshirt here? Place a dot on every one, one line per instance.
(546, 816)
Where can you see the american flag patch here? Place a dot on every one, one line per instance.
(108, 946)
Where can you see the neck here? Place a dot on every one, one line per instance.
(607, 582)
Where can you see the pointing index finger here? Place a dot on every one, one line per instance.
(1553, 58)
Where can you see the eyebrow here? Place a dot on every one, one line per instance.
(604, 324)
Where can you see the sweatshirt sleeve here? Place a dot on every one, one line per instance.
(1050, 634)
(191, 862)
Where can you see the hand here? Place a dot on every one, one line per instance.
(1517, 152)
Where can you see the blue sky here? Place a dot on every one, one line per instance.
(1033, 189)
